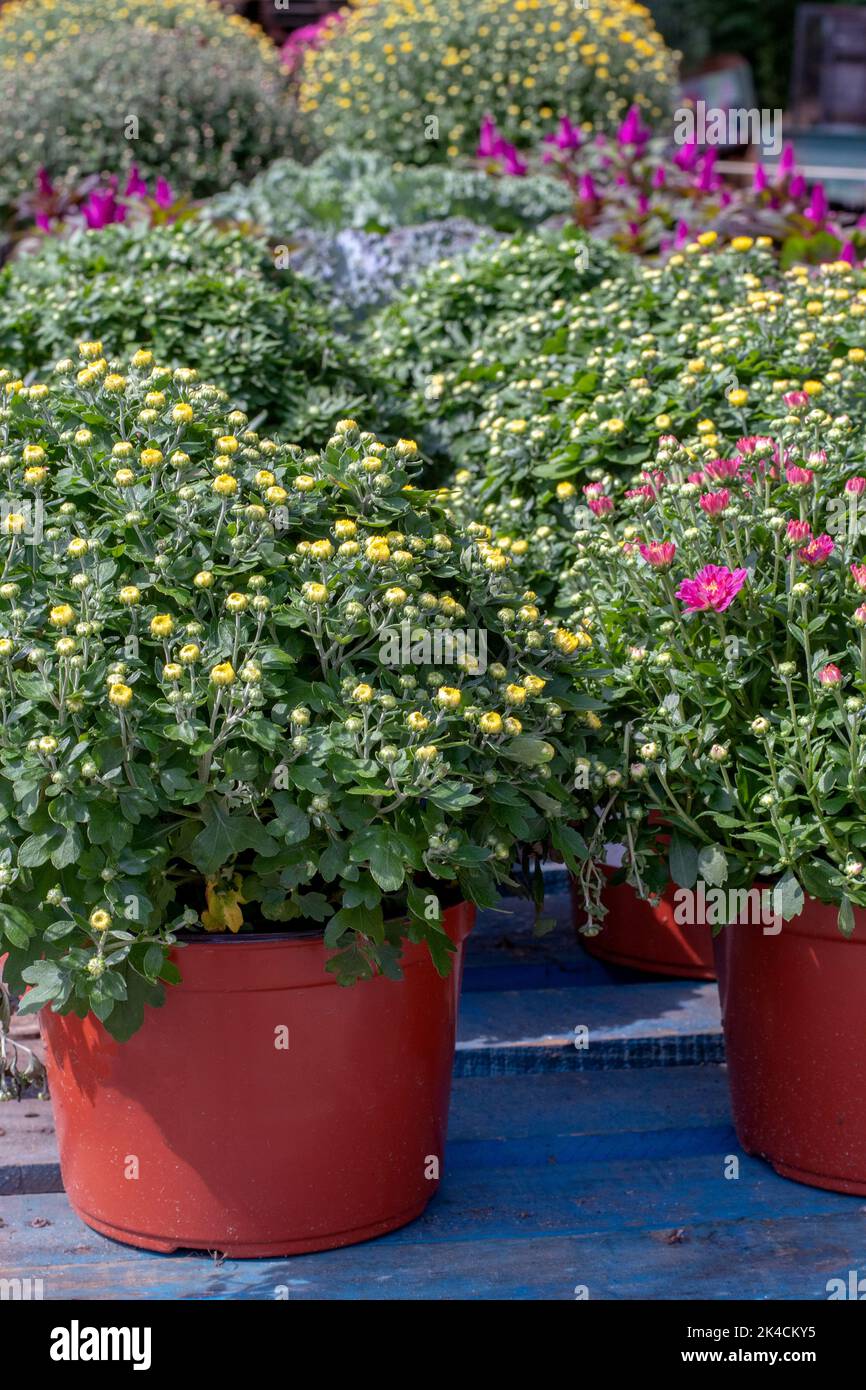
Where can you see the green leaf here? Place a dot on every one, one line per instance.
(532, 752)
(36, 849)
(712, 865)
(683, 861)
(225, 835)
(570, 844)
(846, 917)
(68, 851)
(788, 897)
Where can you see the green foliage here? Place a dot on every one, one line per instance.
(205, 719)
(363, 189)
(201, 114)
(189, 291)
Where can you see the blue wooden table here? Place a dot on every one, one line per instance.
(596, 1172)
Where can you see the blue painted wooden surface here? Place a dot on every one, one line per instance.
(565, 1167)
(611, 1180)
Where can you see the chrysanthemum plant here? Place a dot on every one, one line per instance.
(248, 688)
(728, 596)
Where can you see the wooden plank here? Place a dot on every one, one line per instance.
(675, 1023)
(673, 1249)
(614, 1181)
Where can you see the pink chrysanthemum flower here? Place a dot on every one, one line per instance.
(796, 400)
(799, 531)
(714, 587)
(722, 468)
(714, 503)
(659, 554)
(600, 506)
(830, 675)
(799, 477)
(818, 551)
(859, 573)
(645, 493)
(856, 485)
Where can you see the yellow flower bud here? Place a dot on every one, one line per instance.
(162, 625)
(490, 723)
(223, 674)
(120, 695)
(447, 697)
(315, 593)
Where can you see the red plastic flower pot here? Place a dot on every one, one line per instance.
(647, 938)
(792, 1008)
(264, 1110)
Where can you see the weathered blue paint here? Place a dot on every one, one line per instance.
(616, 1182)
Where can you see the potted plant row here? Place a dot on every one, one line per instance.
(272, 724)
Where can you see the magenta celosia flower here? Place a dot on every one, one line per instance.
(818, 208)
(830, 675)
(659, 554)
(848, 253)
(707, 180)
(44, 186)
(163, 194)
(659, 178)
(714, 587)
(722, 468)
(799, 531)
(633, 131)
(687, 155)
(859, 573)
(797, 187)
(565, 137)
(600, 506)
(714, 503)
(102, 208)
(818, 551)
(799, 477)
(135, 184)
(586, 190)
(855, 485)
(788, 160)
(759, 179)
(488, 140)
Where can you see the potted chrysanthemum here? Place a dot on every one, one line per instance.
(730, 599)
(271, 724)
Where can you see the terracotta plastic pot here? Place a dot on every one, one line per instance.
(647, 938)
(792, 1007)
(264, 1110)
